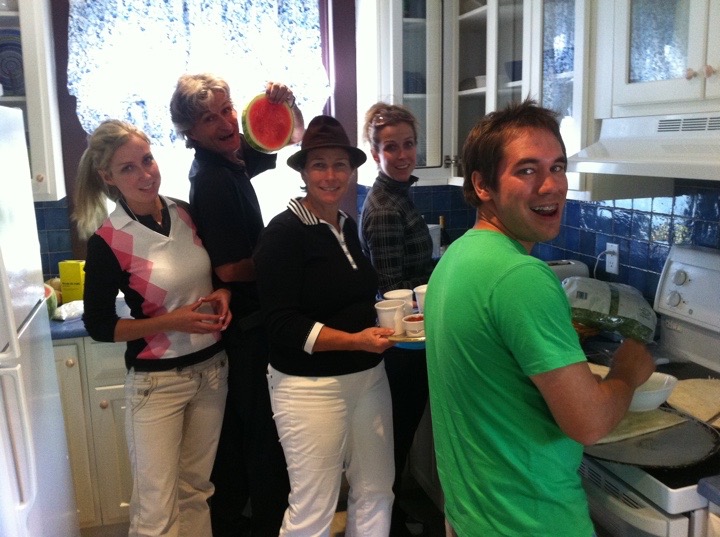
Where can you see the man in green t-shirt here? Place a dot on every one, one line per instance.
(513, 400)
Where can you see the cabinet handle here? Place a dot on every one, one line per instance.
(104, 404)
(69, 362)
(451, 161)
(690, 73)
(40, 178)
(709, 71)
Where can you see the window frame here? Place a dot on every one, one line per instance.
(337, 22)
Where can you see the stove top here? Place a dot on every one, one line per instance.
(688, 304)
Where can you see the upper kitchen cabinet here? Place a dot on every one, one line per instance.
(562, 52)
(666, 56)
(28, 78)
(449, 62)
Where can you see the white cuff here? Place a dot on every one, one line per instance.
(312, 338)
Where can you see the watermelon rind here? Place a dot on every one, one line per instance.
(267, 126)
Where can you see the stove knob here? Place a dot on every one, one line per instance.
(680, 277)
(674, 299)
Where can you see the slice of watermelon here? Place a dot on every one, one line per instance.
(267, 126)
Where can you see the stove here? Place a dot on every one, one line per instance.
(667, 500)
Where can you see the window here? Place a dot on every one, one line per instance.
(125, 57)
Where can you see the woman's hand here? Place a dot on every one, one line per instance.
(375, 339)
(194, 319)
(220, 302)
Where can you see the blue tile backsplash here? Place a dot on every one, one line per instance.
(53, 222)
(645, 228)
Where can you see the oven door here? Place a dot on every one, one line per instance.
(618, 511)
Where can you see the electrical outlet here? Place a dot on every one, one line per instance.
(612, 258)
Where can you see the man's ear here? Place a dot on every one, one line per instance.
(479, 186)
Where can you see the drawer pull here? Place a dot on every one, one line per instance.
(104, 404)
(69, 362)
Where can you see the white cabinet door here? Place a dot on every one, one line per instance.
(660, 51)
(712, 67)
(105, 369)
(107, 408)
(39, 97)
(449, 62)
(68, 360)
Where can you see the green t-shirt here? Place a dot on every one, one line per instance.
(494, 316)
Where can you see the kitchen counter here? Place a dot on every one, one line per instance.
(67, 329)
(72, 328)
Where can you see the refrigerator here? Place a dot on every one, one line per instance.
(36, 491)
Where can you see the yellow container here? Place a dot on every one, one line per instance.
(72, 279)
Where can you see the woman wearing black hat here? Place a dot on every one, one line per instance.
(328, 386)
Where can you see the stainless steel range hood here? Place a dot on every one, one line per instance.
(675, 146)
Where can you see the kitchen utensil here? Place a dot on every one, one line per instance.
(653, 392)
(564, 268)
(681, 445)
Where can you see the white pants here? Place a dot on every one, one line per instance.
(172, 425)
(325, 424)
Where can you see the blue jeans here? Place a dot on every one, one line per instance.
(172, 425)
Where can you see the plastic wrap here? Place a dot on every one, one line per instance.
(613, 307)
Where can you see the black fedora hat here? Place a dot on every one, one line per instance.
(325, 131)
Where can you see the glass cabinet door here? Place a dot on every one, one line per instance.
(561, 89)
(492, 61)
(659, 50)
(422, 75)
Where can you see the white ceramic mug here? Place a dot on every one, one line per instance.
(402, 294)
(420, 296)
(390, 314)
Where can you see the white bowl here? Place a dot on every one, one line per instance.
(653, 392)
(414, 325)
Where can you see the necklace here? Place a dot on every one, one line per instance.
(145, 217)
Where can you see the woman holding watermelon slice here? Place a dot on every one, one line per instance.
(395, 237)
(327, 380)
(250, 462)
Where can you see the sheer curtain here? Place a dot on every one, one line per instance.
(125, 57)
